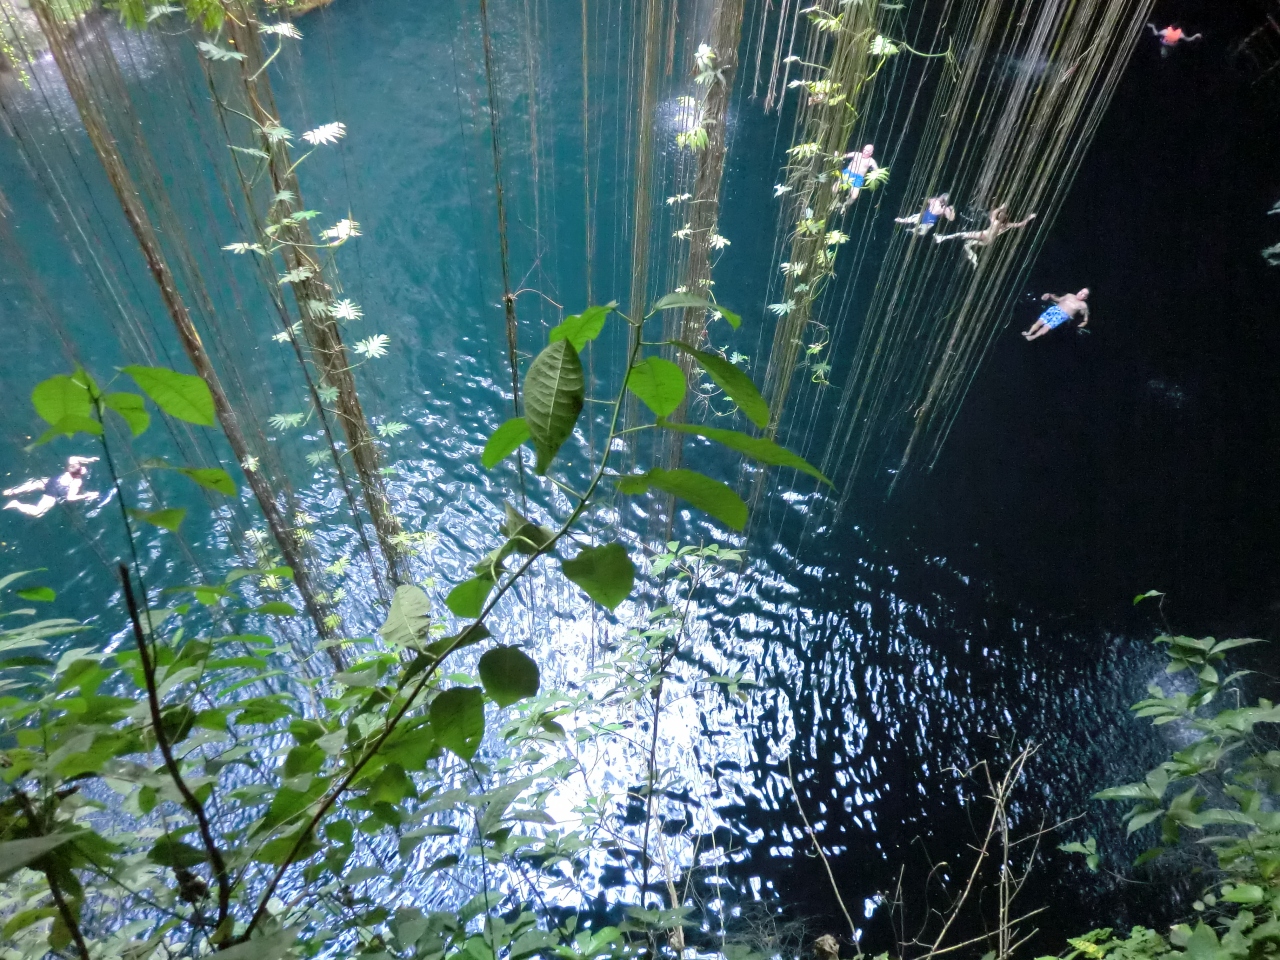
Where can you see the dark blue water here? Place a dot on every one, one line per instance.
(986, 603)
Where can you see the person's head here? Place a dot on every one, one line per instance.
(1000, 214)
(76, 469)
(944, 198)
(1083, 294)
(868, 150)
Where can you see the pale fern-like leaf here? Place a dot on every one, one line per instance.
(325, 133)
(373, 347)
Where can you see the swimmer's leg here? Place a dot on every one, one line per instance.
(970, 252)
(914, 218)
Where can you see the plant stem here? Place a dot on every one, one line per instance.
(68, 918)
(327, 803)
(175, 773)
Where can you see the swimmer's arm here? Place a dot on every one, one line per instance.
(1021, 224)
(950, 213)
(1053, 297)
(1084, 317)
(873, 165)
(87, 495)
(1152, 28)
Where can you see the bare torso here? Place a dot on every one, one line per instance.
(1072, 306)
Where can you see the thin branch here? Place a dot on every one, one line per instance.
(835, 888)
(175, 773)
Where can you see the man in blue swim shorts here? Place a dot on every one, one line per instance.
(1065, 308)
(854, 177)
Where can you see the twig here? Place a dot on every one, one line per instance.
(835, 888)
(166, 751)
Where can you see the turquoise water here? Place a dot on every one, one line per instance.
(881, 660)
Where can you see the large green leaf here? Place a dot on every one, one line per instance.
(709, 496)
(757, 448)
(213, 478)
(736, 384)
(169, 519)
(15, 854)
(554, 392)
(59, 397)
(606, 574)
(504, 442)
(132, 408)
(457, 720)
(508, 675)
(677, 301)
(407, 620)
(659, 384)
(177, 394)
(467, 599)
(583, 328)
(169, 852)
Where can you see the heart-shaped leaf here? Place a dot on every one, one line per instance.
(132, 408)
(508, 675)
(554, 392)
(59, 397)
(659, 384)
(606, 574)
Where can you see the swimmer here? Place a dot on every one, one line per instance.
(934, 210)
(1170, 37)
(854, 177)
(66, 488)
(1065, 309)
(984, 238)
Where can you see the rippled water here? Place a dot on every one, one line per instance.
(879, 665)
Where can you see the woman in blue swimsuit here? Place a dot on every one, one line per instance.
(935, 209)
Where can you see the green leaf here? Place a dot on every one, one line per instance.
(1146, 596)
(659, 383)
(69, 426)
(38, 594)
(273, 946)
(179, 395)
(757, 448)
(605, 573)
(676, 301)
(457, 720)
(60, 397)
(709, 496)
(1245, 893)
(583, 328)
(504, 442)
(213, 478)
(508, 675)
(554, 392)
(169, 852)
(523, 535)
(276, 608)
(169, 519)
(467, 599)
(133, 408)
(736, 384)
(15, 854)
(407, 620)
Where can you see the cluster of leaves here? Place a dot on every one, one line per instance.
(1216, 795)
(203, 789)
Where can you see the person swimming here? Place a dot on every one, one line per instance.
(973, 239)
(1065, 309)
(66, 487)
(1170, 37)
(935, 209)
(854, 176)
